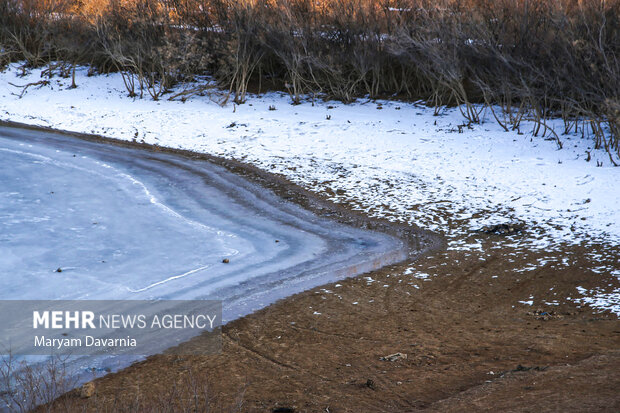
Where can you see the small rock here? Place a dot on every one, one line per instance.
(225, 260)
(370, 384)
(394, 357)
(502, 229)
(87, 390)
(543, 315)
(526, 368)
(58, 269)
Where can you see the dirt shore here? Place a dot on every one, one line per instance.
(467, 336)
(470, 346)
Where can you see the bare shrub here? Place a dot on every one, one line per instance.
(524, 60)
(26, 385)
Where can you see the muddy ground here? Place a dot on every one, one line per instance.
(470, 346)
(466, 341)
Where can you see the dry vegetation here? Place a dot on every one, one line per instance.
(530, 59)
(50, 386)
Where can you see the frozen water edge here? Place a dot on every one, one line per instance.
(124, 223)
(132, 224)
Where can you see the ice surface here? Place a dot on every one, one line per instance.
(131, 224)
(123, 223)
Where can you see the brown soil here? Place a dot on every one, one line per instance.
(469, 344)
(455, 329)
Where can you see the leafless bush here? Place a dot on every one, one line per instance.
(51, 386)
(286, 34)
(24, 386)
(523, 60)
(238, 51)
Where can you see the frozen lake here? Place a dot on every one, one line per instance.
(81, 220)
(123, 223)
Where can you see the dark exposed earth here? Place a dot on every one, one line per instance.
(467, 349)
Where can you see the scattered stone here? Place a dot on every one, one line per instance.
(225, 260)
(87, 390)
(58, 269)
(394, 357)
(502, 229)
(534, 368)
(541, 314)
(283, 410)
(370, 384)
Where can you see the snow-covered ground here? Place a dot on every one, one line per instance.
(390, 159)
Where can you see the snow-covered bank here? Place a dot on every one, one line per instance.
(393, 160)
